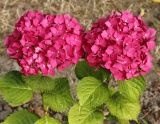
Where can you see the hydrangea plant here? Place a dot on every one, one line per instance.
(116, 48)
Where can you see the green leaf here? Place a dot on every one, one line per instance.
(59, 99)
(132, 88)
(47, 120)
(123, 108)
(40, 83)
(84, 70)
(21, 117)
(92, 92)
(14, 90)
(85, 115)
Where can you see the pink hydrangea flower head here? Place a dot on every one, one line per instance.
(42, 43)
(120, 43)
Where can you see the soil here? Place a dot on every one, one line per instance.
(86, 11)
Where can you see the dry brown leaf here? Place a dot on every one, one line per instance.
(142, 12)
(157, 1)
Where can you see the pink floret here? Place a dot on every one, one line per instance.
(42, 43)
(121, 43)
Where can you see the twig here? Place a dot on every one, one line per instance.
(113, 4)
(146, 114)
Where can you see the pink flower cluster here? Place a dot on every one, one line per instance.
(41, 42)
(120, 43)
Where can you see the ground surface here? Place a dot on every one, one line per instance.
(86, 11)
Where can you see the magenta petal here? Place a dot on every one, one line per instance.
(59, 19)
(131, 52)
(118, 66)
(109, 50)
(48, 42)
(10, 51)
(51, 72)
(44, 22)
(151, 45)
(53, 30)
(53, 63)
(95, 48)
(104, 34)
